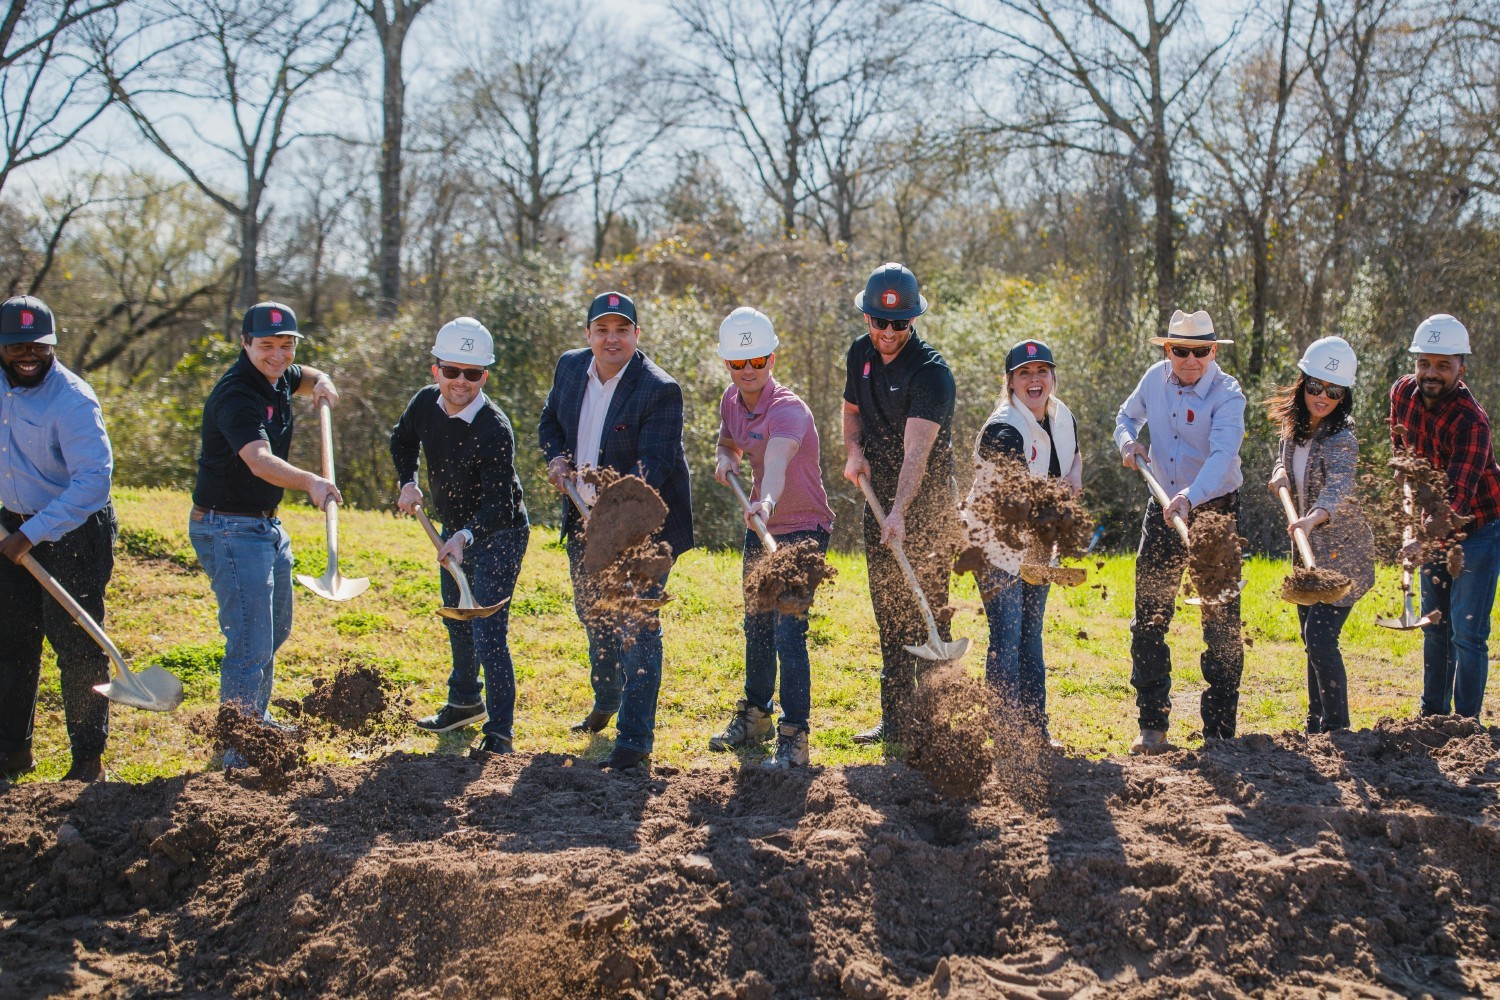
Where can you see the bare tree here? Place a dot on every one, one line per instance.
(248, 63)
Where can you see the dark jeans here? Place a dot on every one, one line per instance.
(1456, 651)
(1014, 666)
(82, 561)
(625, 671)
(931, 525)
(773, 636)
(492, 566)
(1158, 573)
(1327, 686)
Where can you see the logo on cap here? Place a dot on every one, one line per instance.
(614, 300)
(1030, 350)
(1434, 336)
(28, 318)
(746, 338)
(468, 345)
(275, 317)
(889, 298)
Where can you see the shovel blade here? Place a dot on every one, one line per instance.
(937, 649)
(332, 587)
(154, 689)
(1406, 625)
(468, 614)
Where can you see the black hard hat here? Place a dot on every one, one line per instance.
(891, 293)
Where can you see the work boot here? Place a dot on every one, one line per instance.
(87, 770)
(594, 722)
(625, 759)
(750, 725)
(871, 736)
(490, 745)
(16, 763)
(791, 749)
(451, 717)
(1151, 741)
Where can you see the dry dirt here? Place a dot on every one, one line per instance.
(1360, 864)
(621, 562)
(1010, 508)
(787, 580)
(1433, 519)
(1214, 554)
(354, 695)
(1304, 585)
(275, 753)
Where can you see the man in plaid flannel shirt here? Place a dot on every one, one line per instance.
(1434, 415)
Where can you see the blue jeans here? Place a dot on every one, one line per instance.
(1014, 665)
(1455, 651)
(492, 566)
(770, 636)
(249, 563)
(625, 671)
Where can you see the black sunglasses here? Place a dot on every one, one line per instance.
(468, 374)
(756, 363)
(895, 324)
(1313, 387)
(1197, 352)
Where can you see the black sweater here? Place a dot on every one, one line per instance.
(471, 467)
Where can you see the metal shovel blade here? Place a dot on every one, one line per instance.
(154, 689)
(464, 614)
(333, 586)
(937, 649)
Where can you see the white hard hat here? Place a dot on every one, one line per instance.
(1440, 334)
(1330, 359)
(464, 341)
(746, 333)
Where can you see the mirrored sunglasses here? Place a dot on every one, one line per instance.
(1197, 352)
(1313, 387)
(468, 374)
(756, 363)
(894, 324)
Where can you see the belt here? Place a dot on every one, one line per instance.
(200, 512)
(10, 515)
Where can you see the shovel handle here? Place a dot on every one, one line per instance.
(573, 494)
(1299, 536)
(450, 564)
(325, 429)
(73, 608)
(1160, 496)
(906, 570)
(755, 522)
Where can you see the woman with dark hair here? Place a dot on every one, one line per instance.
(1316, 465)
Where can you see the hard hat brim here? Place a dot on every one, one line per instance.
(859, 303)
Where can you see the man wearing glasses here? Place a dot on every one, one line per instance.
(476, 495)
(611, 407)
(1195, 417)
(898, 416)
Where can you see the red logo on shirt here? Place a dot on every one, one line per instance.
(889, 298)
(275, 317)
(27, 317)
(1190, 416)
(867, 370)
(1033, 453)
(270, 412)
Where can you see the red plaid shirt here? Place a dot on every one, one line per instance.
(1455, 436)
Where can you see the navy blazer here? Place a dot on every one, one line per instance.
(642, 436)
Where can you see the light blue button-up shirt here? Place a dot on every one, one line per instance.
(55, 459)
(1195, 430)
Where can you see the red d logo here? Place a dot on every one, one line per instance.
(275, 317)
(1190, 416)
(1031, 350)
(889, 298)
(614, 300)
(28, 317)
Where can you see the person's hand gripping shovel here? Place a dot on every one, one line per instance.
(755, 522)
(468, 608)
(1160, 496)
(1306, 588)
(936, 648)
(1408, 619)
(331, 586)
(153, 689)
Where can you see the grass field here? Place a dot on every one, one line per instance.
(160, 609)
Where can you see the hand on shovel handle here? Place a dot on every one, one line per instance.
(332, 585)
(468, 608)
(755, 522)
(1160, 496)
(1298, 535)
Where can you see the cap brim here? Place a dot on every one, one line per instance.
(275, 333)
(27, 338)
(613, 312)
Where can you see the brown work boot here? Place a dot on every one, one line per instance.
(88, 770)
(749, 726)
(791, 749)
(1150, 741)
(594, 722)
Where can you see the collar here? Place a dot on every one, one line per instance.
(468, 413)
(1199, 388)
(257, 378)
(765, 397)
(593, 372)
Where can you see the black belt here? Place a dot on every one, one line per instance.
(12, 520)
(200, 512)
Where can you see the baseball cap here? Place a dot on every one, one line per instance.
(1026, 352)
(270, 319)
(612, 304)
(25, 319)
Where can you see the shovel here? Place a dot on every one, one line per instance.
(468, 608)
(1408, 619)
(1160, 495)
(1307, 595)
(1053, 572)
(154, 689)
(755, 522)
(583, 508)
(936, 648)
(331, 586)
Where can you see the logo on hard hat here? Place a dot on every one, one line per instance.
(746, 338)
(27, 317)
(1030, 350)
(614, 300)
(275, 317)
(468, 345)
(1332, 366)
(889, 298)
(1434, 336)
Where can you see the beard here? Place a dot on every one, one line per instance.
(21, 381)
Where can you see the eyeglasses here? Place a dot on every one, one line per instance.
(756, 363)
(1197, 352)
(27, 349)
(1313, 387)
(895, 324)
(468, 374)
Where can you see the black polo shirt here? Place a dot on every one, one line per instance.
(918, 383)
(244, 407)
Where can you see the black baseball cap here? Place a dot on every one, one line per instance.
(270, 319)
(25, 319)
(1026, 352)
(612, 304)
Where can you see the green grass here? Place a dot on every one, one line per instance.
(160, 610)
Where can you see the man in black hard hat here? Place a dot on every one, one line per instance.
(898, 416)
(55, 468)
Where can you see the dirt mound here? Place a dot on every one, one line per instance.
(787, 580)
(1214, 554)
(275, 753)
(1010, 509)
(1356, 864)
(355, 694)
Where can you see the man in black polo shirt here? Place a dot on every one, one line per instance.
(898, 414)
(476, 494)
(242, 472)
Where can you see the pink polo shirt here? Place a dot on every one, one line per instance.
(803, 505)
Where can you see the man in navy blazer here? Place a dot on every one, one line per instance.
(611, 407)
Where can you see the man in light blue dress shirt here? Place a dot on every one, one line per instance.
(55, 468)
(1195, 417)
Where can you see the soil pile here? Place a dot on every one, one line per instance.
(620, 560)
(275, 753)
(355, 694)
(1214, 555)
(1356, 864)
(787, 580)
(1314, 586)
(1009, 510)
(953, 730)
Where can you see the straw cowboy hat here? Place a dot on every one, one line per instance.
(1194, 329)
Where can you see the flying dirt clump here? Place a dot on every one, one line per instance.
(620, 561)
(355, 694)
(1307, 583)
(1433, 522)
(954, 727)
(273, 752)
(1009, 510)
(787, 580)
(1214, 554)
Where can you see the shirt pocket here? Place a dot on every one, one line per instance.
(32, 440)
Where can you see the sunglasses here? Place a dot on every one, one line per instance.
(1197, 352)
(1313, 387)
(756, 363)
(468, 374)
(895, 324)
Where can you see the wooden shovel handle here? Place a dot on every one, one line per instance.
(437, 543)
(1160, 496)
(1299, 536)
(755, 522)
(73, 608)
(325, 429)
(901, 560)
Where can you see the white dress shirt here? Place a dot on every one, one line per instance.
(596, 400)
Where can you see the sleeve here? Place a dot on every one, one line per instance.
(551, 435)
(1471, 455)
(497, 479)
(406, 443)
(1340, 457)
(241, 419)
(932, 394)
(90, 462)
(851, 390)
(789, 421)
(1395, 417)
(1225, 436)
(998, 440)
(1131, 416)
(293, 378)
(659, 441)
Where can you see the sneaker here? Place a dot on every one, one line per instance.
(490, 745)
(1151, 741)
(451, 717)
(87, 770)
(625, 759)
(871, 736)
(594, 722)
(749, 726)
(791, 749)
(15, 764)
